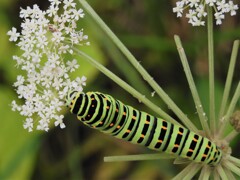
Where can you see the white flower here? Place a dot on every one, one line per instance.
(219, 17)
(232, 8)
(178, 9)
(46, 37)
(197, 10)
(13, 34)
(72, 65)
(28, 124)
(59, 121)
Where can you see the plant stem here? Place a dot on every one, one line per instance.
(205, 173)
(232, 167)
(192, 86)
(188, 172)
(231, 135)
(230, 110)
(211, 70)
(234, 160)
(228, 83)
(126, 86)
(138, 157)
(117, 57)
(140, 69)
(221, 172)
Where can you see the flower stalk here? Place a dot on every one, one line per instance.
(196, 98)
(188, 172)
(228, 84)
(211, 70)
(138, 157)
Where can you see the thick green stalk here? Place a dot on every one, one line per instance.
(205, 173)
(228, 83)
(231, 135)
(188, 172)
(232, 167)
(192, 86)
(221, 172)
(230, 110)
(125, 86)
(211, 70)
(140, 69)
(234, 160)
(117, 57)
(139, 157)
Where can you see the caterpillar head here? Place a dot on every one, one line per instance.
(70, 98)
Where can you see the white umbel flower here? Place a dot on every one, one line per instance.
(197, 10)
(45, 39)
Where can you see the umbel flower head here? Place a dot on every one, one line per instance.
(45, 40)
(197, 10)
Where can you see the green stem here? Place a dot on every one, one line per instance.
(228, 83)
(188, 172)
(221, 172)
(234, 160)
(138, 157)
(117, 57)
(205, 173)
(192, 86)
(231, 135)
(229, 174)
(230, 110)
(211, 70)
(126, 86)
(140, 69)
(232, 167)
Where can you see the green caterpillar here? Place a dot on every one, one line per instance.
(111, 116)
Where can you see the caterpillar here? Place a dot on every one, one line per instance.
(111, 116)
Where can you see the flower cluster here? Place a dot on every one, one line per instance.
(45, 40)
(197, 10)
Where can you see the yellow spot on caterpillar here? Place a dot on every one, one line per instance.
(118, 127)
(107, 107)
(92, 105)
(176, 145)
(101, 122)
(116, 110)
(160, 141)
(165, 128)
(128, 131)
(92, 98)
(147, 122)
(195, 140)
(190, 150)
(134, 117)
(124, 113)
(111, 124)
(142, 136)
(204, 155)
(180, 133)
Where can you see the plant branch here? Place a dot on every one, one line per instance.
(192, 86)
(228, 83)
(138, 157)
(211, 70)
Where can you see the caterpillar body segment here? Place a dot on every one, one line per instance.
(111, 116)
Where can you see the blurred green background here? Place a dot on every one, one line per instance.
(146, 27)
